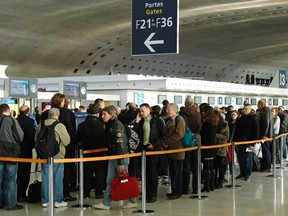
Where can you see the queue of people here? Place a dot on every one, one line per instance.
(157, 130)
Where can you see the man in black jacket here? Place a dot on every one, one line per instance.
(247, 129)
(28, 143)
(130, 115)
(152, 132)
(90, 134)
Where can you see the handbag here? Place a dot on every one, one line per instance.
(8, 149)
(189, 139)
(124, 187)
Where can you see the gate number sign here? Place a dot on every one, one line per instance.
(155, 26)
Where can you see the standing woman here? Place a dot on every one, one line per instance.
(232, 125)
(117, 144)
(208, 138)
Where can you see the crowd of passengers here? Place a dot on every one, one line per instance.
(158, 128)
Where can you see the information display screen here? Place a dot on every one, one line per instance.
(19, 88)
(72, 89)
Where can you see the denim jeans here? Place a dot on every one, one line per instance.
(8, 186)
(58, 171)
(176, 168)
(245, 160)
(266, 160)
(283, 139)
(113, 170)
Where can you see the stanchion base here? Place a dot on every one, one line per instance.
(199, 197)
(79, 206)
(272, 176)
(147, 212)
(236, 187)
(166, 184)
(282, 168)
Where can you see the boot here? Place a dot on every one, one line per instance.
(207, 180)
(212, 181)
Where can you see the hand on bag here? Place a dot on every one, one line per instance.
(121, 168)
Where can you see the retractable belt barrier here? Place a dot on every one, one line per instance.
(52, 161)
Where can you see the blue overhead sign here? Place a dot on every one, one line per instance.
(282, 78)
(155, 27)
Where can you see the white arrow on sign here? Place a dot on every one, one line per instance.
(148, 42)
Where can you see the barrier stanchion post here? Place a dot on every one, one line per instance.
(233, 186)
(81, 173)
(51, 185)
(274, 160)
(199, 170)
(281, 153)
(143, 187)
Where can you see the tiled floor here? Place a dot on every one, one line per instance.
(262, 196)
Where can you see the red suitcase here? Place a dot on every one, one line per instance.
(124, 187)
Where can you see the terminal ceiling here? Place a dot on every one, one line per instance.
(220, 40)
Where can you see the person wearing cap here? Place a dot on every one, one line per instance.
(117, 143)
(28, 143)
(63, 138)
(90, 135)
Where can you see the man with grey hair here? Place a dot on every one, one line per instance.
(63, 139)
(175, 129)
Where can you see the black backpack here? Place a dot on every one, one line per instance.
(46, 144)
(34, 192)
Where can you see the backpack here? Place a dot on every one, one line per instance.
(189, 139)
(132, 137)
(34, 192)
(46, 144)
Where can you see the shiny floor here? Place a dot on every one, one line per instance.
(261, 196)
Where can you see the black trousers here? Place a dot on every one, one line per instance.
(94, 177)
(151, 176)
(23, 179)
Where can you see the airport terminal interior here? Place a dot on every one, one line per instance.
(219, 41)
(261, 196)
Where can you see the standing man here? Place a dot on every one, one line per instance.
(152, 132)
(10, 132)
(175, 128)
(63, 138)
(130, 115)
(193, 120)
(247, 129)
(266, 131)
(283, 129)
(90, 135)
(28, 143)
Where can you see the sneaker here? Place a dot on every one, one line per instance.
(129, 205)
(101, 206)
(247, 178)
(60, 204)
(44, 205)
